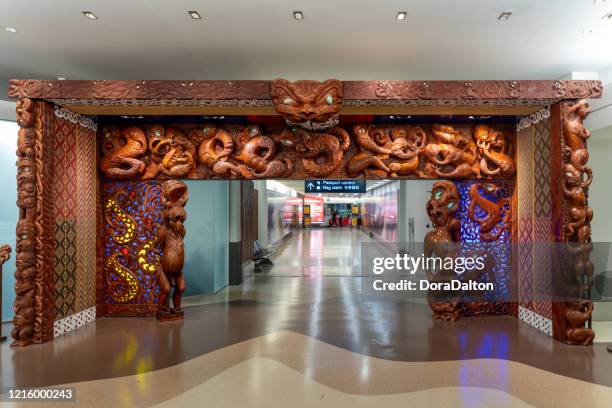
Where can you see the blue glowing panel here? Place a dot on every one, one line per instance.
(132, 215)
(470, 236)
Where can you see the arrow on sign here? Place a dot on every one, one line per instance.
(310, 186)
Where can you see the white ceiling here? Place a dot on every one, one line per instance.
(259, 39)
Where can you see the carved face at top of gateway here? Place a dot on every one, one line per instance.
(308, 104)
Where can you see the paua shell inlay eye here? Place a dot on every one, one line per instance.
(329, 99)
(450, 204)
(437, 194)
(287, 101)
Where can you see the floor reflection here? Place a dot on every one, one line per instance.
(325, 308)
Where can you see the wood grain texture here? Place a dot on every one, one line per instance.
(253, 151)
(353, 90)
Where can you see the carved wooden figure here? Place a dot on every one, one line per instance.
(170, 238)
(29, 201)
(440, 242)
(308, 104)
(386, 152)
(451, 154)
(495, 218)
(123, 149)
(493, 149)
(253, 151)
(5, 254)
(577, 176)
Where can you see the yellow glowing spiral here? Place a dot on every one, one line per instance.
(112, 208)
(130, 281)
(143, 258)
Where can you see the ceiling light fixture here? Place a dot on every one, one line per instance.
(194, 15)
(401, 15)
(607, 17)
(587, 31)
(10, 30)
(61, 78)
(598, 1)
(298, 15)
(89, 15)
(504, 16)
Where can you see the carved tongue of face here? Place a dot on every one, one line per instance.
(309, 104)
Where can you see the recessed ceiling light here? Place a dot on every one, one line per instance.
(61, 78)
(598, 1)
(587, 31)
(504, 16)
(401, 15)
(298, 15)
(10, 29)
(89, 15)
(194, 14)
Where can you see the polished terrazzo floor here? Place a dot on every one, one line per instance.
(296, 336)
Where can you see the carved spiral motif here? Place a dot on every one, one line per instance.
(123, 226)
(124, 289)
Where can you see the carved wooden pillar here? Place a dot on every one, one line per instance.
(5, 254)
(33, 307)
(441, 209)
(170, 237)
(571, 177)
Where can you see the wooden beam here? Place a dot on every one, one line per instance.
(118, 110)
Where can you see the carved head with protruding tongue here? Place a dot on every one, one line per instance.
(311, 105)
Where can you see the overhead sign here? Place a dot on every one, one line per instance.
(335, 186)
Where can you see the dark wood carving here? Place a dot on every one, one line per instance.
(170, 238)
(451, 154)
(384, 152)
(308, 104)
(33, 307)
(496, 214)
(88, 92)
(577, 215)
(121, 149)
(495, 152)
(5, 254)
(439, 242)
(254, 151)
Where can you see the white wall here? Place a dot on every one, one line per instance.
(412, 202)
(8, 211)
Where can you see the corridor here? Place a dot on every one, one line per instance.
(320, 252)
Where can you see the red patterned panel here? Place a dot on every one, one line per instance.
(64, 184)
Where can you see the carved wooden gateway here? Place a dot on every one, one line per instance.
(138, 138)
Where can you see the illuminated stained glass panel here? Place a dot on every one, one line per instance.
(471, 239)
(132, 215)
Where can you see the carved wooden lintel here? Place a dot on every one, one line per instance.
(254, 151)
(541, 92)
